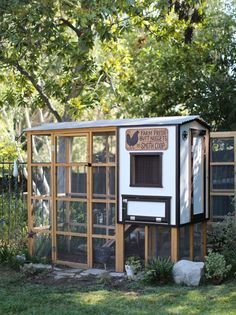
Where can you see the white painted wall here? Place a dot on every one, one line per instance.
(168, 172)
(185, 171)
(146, 208)
(198, 173)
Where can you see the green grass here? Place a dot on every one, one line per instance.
(18, 296)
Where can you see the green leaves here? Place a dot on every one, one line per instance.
(129, 57)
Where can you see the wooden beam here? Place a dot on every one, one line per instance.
(191, 241)
(29, 189)
(223, 134)
(53, 201)
(146, 251)
(89, 202)
(174, 244)
(120, 248)
(204, 238)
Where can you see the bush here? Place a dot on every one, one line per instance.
(215, 267)
(8, 257)
(222, 239)
(158, 271)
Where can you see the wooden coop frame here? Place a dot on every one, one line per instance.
(115, 234)
(225, 190)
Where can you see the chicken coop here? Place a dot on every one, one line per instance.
(101, 191)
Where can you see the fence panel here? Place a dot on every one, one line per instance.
(223, 174)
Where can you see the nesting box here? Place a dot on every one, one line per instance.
(132, 187)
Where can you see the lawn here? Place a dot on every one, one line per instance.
(27, 297)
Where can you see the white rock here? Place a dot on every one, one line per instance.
(188, 272)
(129, 271)
(42, 266)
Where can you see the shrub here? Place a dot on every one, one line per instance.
(158, 271)
(216, 268)
(8, 257)
(222, 239)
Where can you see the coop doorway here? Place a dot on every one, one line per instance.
(81, 201)
(85, 202)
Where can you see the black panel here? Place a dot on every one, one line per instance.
(146, 219)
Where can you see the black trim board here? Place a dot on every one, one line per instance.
(146, 219)
(209, 176)
(177, 179)
(118, 175)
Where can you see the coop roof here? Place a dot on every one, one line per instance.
(154, 121)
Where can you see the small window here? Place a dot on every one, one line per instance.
(146, 170)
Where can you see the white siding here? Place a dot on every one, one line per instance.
(168, 172)
(185, 172)
(146, 209)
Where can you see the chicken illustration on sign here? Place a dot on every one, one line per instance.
(147, 139)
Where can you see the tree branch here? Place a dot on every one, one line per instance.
(39, 90)
(71, 26)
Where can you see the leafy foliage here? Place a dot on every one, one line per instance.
(8, 257)
(222, 239)
(215, 267)
(135, 262)
(198, 78)
(158, 271)
(47, 47)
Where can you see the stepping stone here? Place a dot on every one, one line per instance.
(92, 272)
(117, 274)
(39, 266)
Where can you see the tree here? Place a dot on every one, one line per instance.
(172, 77)
(47, 46)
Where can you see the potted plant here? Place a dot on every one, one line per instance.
(132, 266)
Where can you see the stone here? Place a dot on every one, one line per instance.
(188, 272)
(130, 272)
(117, 274)
(41, 266)
(92, 272)
(69, 271)
(21, 258)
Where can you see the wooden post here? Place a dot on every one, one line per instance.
(230, 193)
(53, 200)
(89, 202)
(191, 241)
(174, 244)
(29, 189)
(204, 238)
(120, 248)
(146, 243)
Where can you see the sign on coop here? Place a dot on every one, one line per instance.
(151, 139)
